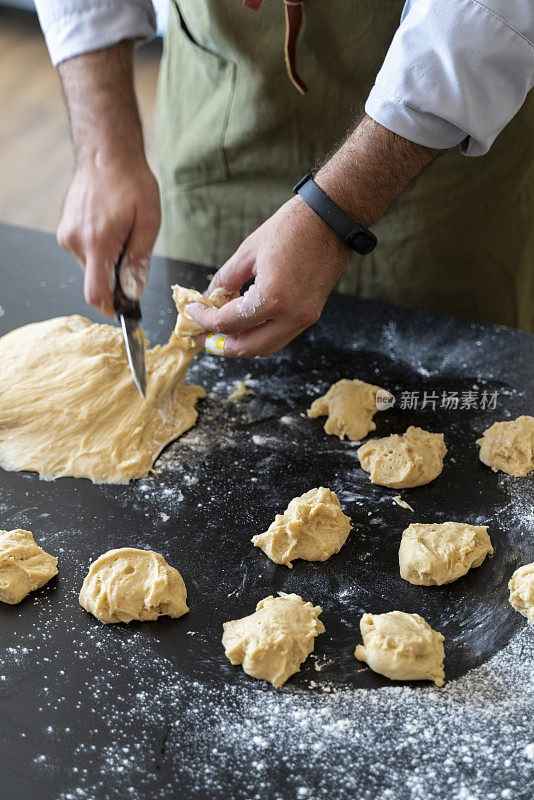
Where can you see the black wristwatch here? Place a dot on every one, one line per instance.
(355, 236)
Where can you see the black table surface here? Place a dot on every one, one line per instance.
(70, 686)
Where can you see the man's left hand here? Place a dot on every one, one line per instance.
(295, 261)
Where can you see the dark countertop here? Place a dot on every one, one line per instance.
(155, 710)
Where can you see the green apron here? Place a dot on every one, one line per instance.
(234, 135)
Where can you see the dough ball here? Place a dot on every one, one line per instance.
(509, 446)
(437, 553)
(312, 527)
(24, 566)
(272, 643)
(402, 647)
(69, 406)
(349, 406)
(127, 584)
(521, 587)
(183, 297)
(404, 461)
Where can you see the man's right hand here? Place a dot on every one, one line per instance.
(113, 200)
(111, 203)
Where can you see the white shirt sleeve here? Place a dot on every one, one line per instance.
(456, 73)
(72, 27)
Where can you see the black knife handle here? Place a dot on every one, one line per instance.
(122, 304)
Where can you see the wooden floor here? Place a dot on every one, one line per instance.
(35, 147)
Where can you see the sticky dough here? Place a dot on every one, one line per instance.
(413, 459)
(127, 584)
(68, 404)
(349, 406)
(272, 643)
(521, 587)
(184, 297)
(509, 446)
(313, 527)
(401, 646)
(24, 566)
(432, 554)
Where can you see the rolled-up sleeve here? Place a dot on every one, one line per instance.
(74, 27)
(456, 72)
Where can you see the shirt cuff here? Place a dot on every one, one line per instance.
(455, 73)
(80, 30)
(417, 126)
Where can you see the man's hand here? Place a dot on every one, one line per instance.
(296, 261)
(107, 205)
(294, 257)
(113, 199)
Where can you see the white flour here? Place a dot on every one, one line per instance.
(471, 740)
(157, 729)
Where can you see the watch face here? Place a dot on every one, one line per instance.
(363, 242)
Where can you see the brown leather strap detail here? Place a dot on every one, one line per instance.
(293, 24)
(255, 5)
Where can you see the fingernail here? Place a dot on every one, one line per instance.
(215, 344)
(134, 278)
(191, 308)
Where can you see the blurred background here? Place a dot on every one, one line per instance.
(35, 147)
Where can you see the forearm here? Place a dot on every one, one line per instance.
(113, 200)
(371, 169)
(100, 98)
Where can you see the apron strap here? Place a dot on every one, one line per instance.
(293, 24)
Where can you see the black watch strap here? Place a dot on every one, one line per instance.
(355, 236)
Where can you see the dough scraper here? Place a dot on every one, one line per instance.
(129, 315)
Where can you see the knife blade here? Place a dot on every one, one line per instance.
(129, 315)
